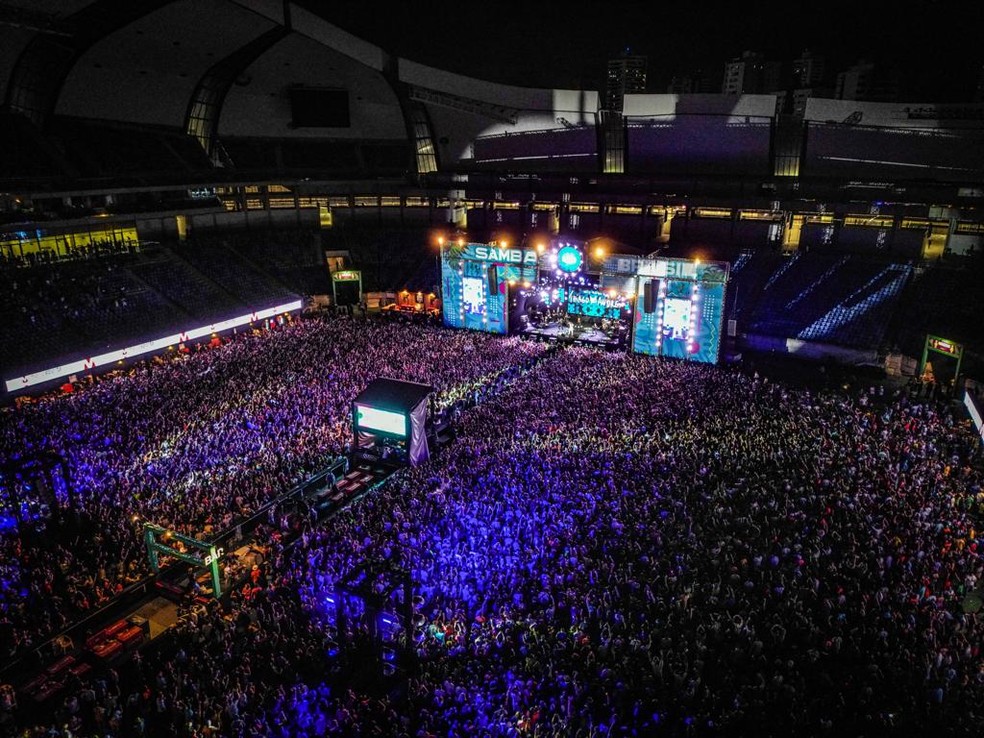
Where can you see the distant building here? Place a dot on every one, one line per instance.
(808, 70)
(806, 79)
(698, 81)
(751, 74)
(866, 81)
(626, 76)
(797, 99)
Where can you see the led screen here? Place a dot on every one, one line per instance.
(319, 107)
(686, 312)
(382, 421)
(474, 283)
(676, 318)
(595, 304)
(473, 295)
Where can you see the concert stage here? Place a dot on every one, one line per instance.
(571, 311)
(573, 333)
(565, 292)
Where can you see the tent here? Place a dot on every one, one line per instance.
(393, 413)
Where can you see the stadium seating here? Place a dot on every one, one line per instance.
(232, 271)
(944, 299)
(85, 306)
(292, 257)
(183, 285)
(830, 298)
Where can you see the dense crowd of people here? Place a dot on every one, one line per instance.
(197, 441)
(613, 545)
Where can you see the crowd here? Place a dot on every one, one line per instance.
(613, 545)
(195, 441)
(14, 256)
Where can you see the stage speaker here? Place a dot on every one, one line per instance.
(732, 327)
(493, 281)
(649, 297)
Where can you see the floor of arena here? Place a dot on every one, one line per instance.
(612, 544)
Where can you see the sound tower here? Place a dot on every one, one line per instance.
(649, 296)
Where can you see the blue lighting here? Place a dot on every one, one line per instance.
(569, 259)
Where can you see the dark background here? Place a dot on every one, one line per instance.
(936, 47)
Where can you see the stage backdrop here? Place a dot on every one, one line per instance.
(475, 280)
(680, 309)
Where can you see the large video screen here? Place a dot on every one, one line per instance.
(474, 284)
(374, 420)
(676, 317)
(319, 107)
(473, 295)
(683, 316)
(595, 303)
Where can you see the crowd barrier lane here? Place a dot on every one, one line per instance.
(42, 655)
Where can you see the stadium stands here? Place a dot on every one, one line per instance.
(85, 306)
(72, 307)
(944, 299)
(293, 257)
(838, 299)
(183, 285)
(223, 266)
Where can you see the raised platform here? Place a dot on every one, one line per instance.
(567, 334)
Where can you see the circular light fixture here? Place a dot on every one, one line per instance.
(569, 259)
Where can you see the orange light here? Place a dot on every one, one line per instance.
(539, 248)
(461, 242)
(599, 252)
(440, 240)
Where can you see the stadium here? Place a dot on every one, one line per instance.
(346, 394)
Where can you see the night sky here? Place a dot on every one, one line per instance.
(937, 47)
